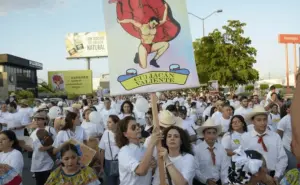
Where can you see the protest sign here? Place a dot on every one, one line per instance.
(150, 46)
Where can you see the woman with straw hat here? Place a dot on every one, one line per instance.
(266, 142)
(211, 159)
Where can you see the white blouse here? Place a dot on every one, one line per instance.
(66, 135)
(130, 157)
(92, 129)
(14, 159)
(104, 145)
(185, 164)
(41, 161)
(231, 141)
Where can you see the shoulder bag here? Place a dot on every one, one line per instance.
(113, 165)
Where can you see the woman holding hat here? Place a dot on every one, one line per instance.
(41, 163)
(211, 159)
(266, 142)
(178, 157)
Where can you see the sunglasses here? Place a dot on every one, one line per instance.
(39, 119)
(135, 126)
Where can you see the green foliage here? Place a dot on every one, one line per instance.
(249, 88)
(278, 86)
(247, 94)
(264, 87)
(226, 56)
(27, 95)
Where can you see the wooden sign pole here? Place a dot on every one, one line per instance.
(161, 166)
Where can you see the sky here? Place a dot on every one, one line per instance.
(36, 29)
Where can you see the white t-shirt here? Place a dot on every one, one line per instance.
(187, 124)
(66, 135)
(26, 114)
(92, 129)
(185, 164)
(242, 111)
(104, 145)
(13, 159)
(216, 116)
(41, 161)
(273, 120)
(105, 114)
(4, 118)
(224, 122)
(130, 157)
(15, 120)
(231, 141)
(285, 125)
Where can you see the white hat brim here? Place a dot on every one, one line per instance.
(202, 128)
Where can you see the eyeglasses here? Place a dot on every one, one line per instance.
(135, 126)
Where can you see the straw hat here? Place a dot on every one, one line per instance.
(257, 110)
(13, 94)
(76, 106)
(209, 123)
(40, 115)
(167, 119)
(24, 102)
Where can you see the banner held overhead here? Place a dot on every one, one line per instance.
(150, 46)
(86, 45)
(72, 82)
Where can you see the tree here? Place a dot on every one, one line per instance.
(226, 56)
(264, 87)
(249, 88)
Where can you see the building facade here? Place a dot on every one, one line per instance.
(21, 74)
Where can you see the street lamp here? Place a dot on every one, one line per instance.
(203, 19)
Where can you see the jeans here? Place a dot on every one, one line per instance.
(292, 161)
(41, 177)
(111, 180)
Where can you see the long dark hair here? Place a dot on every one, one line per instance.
(68, 120)
(241, 118)
(67, 148)
(12, 137)
(122, 127)
(130, 105)
(114, 118)
(184, 137)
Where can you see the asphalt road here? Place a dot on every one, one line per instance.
(27, 175)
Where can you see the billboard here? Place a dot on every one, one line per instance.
(86, 45)
(72, 82)
(150, 46)
(289, 38)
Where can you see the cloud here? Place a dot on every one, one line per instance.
(8, 6)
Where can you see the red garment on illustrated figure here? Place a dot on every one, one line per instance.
(141, 11)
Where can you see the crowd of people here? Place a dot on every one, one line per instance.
(200, 138)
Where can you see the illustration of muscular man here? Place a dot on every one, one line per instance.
(147, 46)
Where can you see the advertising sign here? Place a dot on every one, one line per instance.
(86, 45)
(213, 86)
(72, 82)
(289, 38)
(150, 46)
